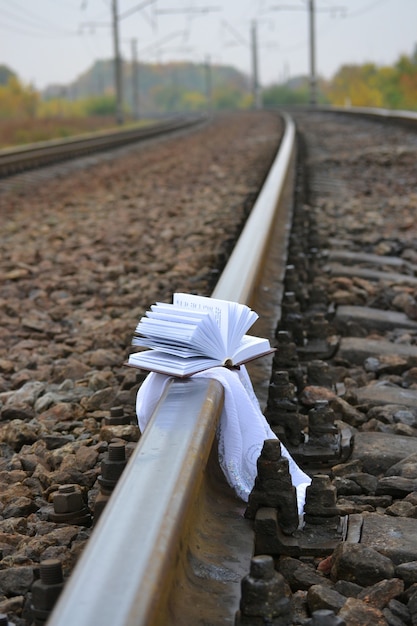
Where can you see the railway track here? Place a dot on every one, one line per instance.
(29, 157)
(346, 290)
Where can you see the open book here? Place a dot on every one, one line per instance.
(195, 333)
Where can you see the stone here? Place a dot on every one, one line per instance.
(324, 597)
(299, 575)
(27, 394)
(407, 468)
(347, 588)
(12, 606)
(346, 487)
(396, 486)
(356, 350)
(392, 537)
(344, 469)
(383, 394)
(18, 433)
(379, 451)
(312, 394)
(357, 613)
(360, 564)
(406, 417)
(127, 432)
(407, 572)
(16, 581)
(402, 508)
(346, 412)
(299, 607)
(86, 458)
(399, 610)
(367, 482)
(373, 319)
(380, 594)
(412, 603)
(19, 507)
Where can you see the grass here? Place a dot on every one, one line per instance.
(19, 132)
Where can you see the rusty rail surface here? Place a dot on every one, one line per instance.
(13, 160)
(172, 544)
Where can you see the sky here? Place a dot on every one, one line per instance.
(54, 41)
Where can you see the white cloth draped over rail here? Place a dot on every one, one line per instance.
(241, 433)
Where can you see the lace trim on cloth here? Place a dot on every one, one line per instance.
(241, 433)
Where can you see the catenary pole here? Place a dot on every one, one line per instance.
(255, 73)
(135, 81)
(313, 80)
(117, 65)
(208, 82)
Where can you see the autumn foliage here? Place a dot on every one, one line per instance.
(26, 117)
(371, 86)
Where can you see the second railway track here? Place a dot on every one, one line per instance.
(28, 157)
(351, 316)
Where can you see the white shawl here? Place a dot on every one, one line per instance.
(241, 432)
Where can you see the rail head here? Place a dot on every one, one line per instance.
(397, 116)
(240, 276)
(117, 578)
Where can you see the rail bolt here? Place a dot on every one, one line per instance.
(46, 590)
(117, 417)
(113, 466)
(263, 599)
(68, 499)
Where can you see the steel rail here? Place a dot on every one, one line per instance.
(392, 116)
(13, 160)
(139, 566)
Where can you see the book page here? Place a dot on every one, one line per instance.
(218, 308)
(169, 324)
(232, 318)
(155, 361)
(250, 348)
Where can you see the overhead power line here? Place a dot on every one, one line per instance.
(235, 33)
(37, 29)
(188, 10)
(30, 18)
(135, 9)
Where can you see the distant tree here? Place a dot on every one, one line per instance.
(193, 101)
(100, 105)
(281, 95)
(226, 97)
(393, 87)
(17, 101)
(6, 74)
(355, 85)
(61, 108)
(406, 81)
(167, 97)
(389, 84)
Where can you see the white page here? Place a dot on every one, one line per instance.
(198, 332)
(168, 364)
(157, 328)
(234, 319)
(251, 347)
